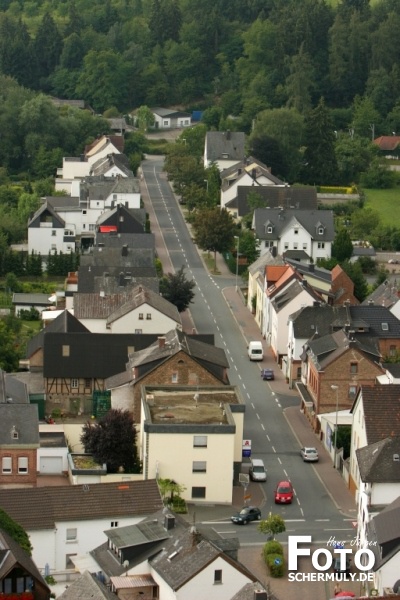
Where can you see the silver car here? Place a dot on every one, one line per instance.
(309, 454)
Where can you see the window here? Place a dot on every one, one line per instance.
(174, 378)
(199, 466)
(295, 245)
(392, 351)
(385, 327)
(74, 384)
(138, 330)
(304, 246)
(269, 229)
(6, 466)
(321, 231)
(200, 441)
(53, 232)
(65, 350)
(286, 246)
(92, 227)
(141, 317)
(352, 391)
(84, 212)
(148, 316)
(218, 576)
(22, 465)
(296, 231)
(321, 245)
(114, 523)
(198, 492)
(68, 562)
(354, 367)
(88, 383)
(165, 123)
(72, 534)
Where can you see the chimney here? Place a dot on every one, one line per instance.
(124, 251)
(169, 521)
(161, 341)
(260, 595)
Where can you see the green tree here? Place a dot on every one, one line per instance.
(145, 118)
(15, 531)
(353, 156)
(178, 290)
(320, 166)
(47, 46)
(365, 117)
(268, 150)
(301, 81)
(112, 441)
(273, 525)
(363, 223)
(214, 231)
(355, 273)
(342, 248)
(343, 439)
(248, 246)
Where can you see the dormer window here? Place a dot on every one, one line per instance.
(14, 433)
(385, 327)
(320, 231)
(269, 229)
(225, 155)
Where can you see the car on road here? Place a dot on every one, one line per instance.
(309, 454)
(247, 514)
(284, 493)
(267, 374)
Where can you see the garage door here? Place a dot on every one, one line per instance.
(51, 465)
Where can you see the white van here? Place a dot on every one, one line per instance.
(257, 470)
(255, 351)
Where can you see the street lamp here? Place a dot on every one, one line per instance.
(336, 388)
(237, 260)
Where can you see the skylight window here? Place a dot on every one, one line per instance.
(385, 327)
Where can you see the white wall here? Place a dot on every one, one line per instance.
(167, 450)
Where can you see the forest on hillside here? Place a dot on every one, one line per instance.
(239, 56)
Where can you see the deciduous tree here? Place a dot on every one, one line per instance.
(112, 441)
(214, 231)
(273, 525)
(178, 290)
(15, 531)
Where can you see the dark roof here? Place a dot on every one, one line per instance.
(386, 294)
(12, 390)
(311, 321)
(274, 196)
(381, 405)
(279, 220)
(87, 586)
(322, 351)
(65, 322)
(380, 462)
(393, 368)
(308, 269)
(47, 210)
(282, 299)
(80, 502)
(220, 143)
(30, 299)
(377, 318)
(13, 556)
(22, 419)
(91, 355)
(133, 241)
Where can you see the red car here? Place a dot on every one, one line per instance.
(284, 493)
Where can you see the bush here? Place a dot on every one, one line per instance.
(272, 547)
(276, 565)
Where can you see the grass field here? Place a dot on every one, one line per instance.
(386, 203)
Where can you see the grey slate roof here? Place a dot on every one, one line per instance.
(219, 143)
(386, 294)
(323, 351)
(282, 299)
(377, 463)
(176, 341)
(133, 241)
(47, 210)
(96, 278)
(279, 220)
(275, 197)
(86, 587)
(30, 299)
(262, 261)
(104, 164)
(381, 405)
(23, 418)
(80, 502)
(14, 555)
(308, 269)
(12, 390)
(384, 529)
(312, 320)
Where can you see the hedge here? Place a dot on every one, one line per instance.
(276, 565)
(272, 547)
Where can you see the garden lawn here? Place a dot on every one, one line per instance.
(386, 203)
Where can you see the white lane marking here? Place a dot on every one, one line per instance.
(273, 449)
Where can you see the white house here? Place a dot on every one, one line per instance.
(63, 521)
(166, 118)
(224, 148)
(138, 310)
(190, 427)
(309, 231)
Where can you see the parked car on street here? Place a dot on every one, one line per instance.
(309, 454)
(247, 514)
(284, 493)
(267, 374)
